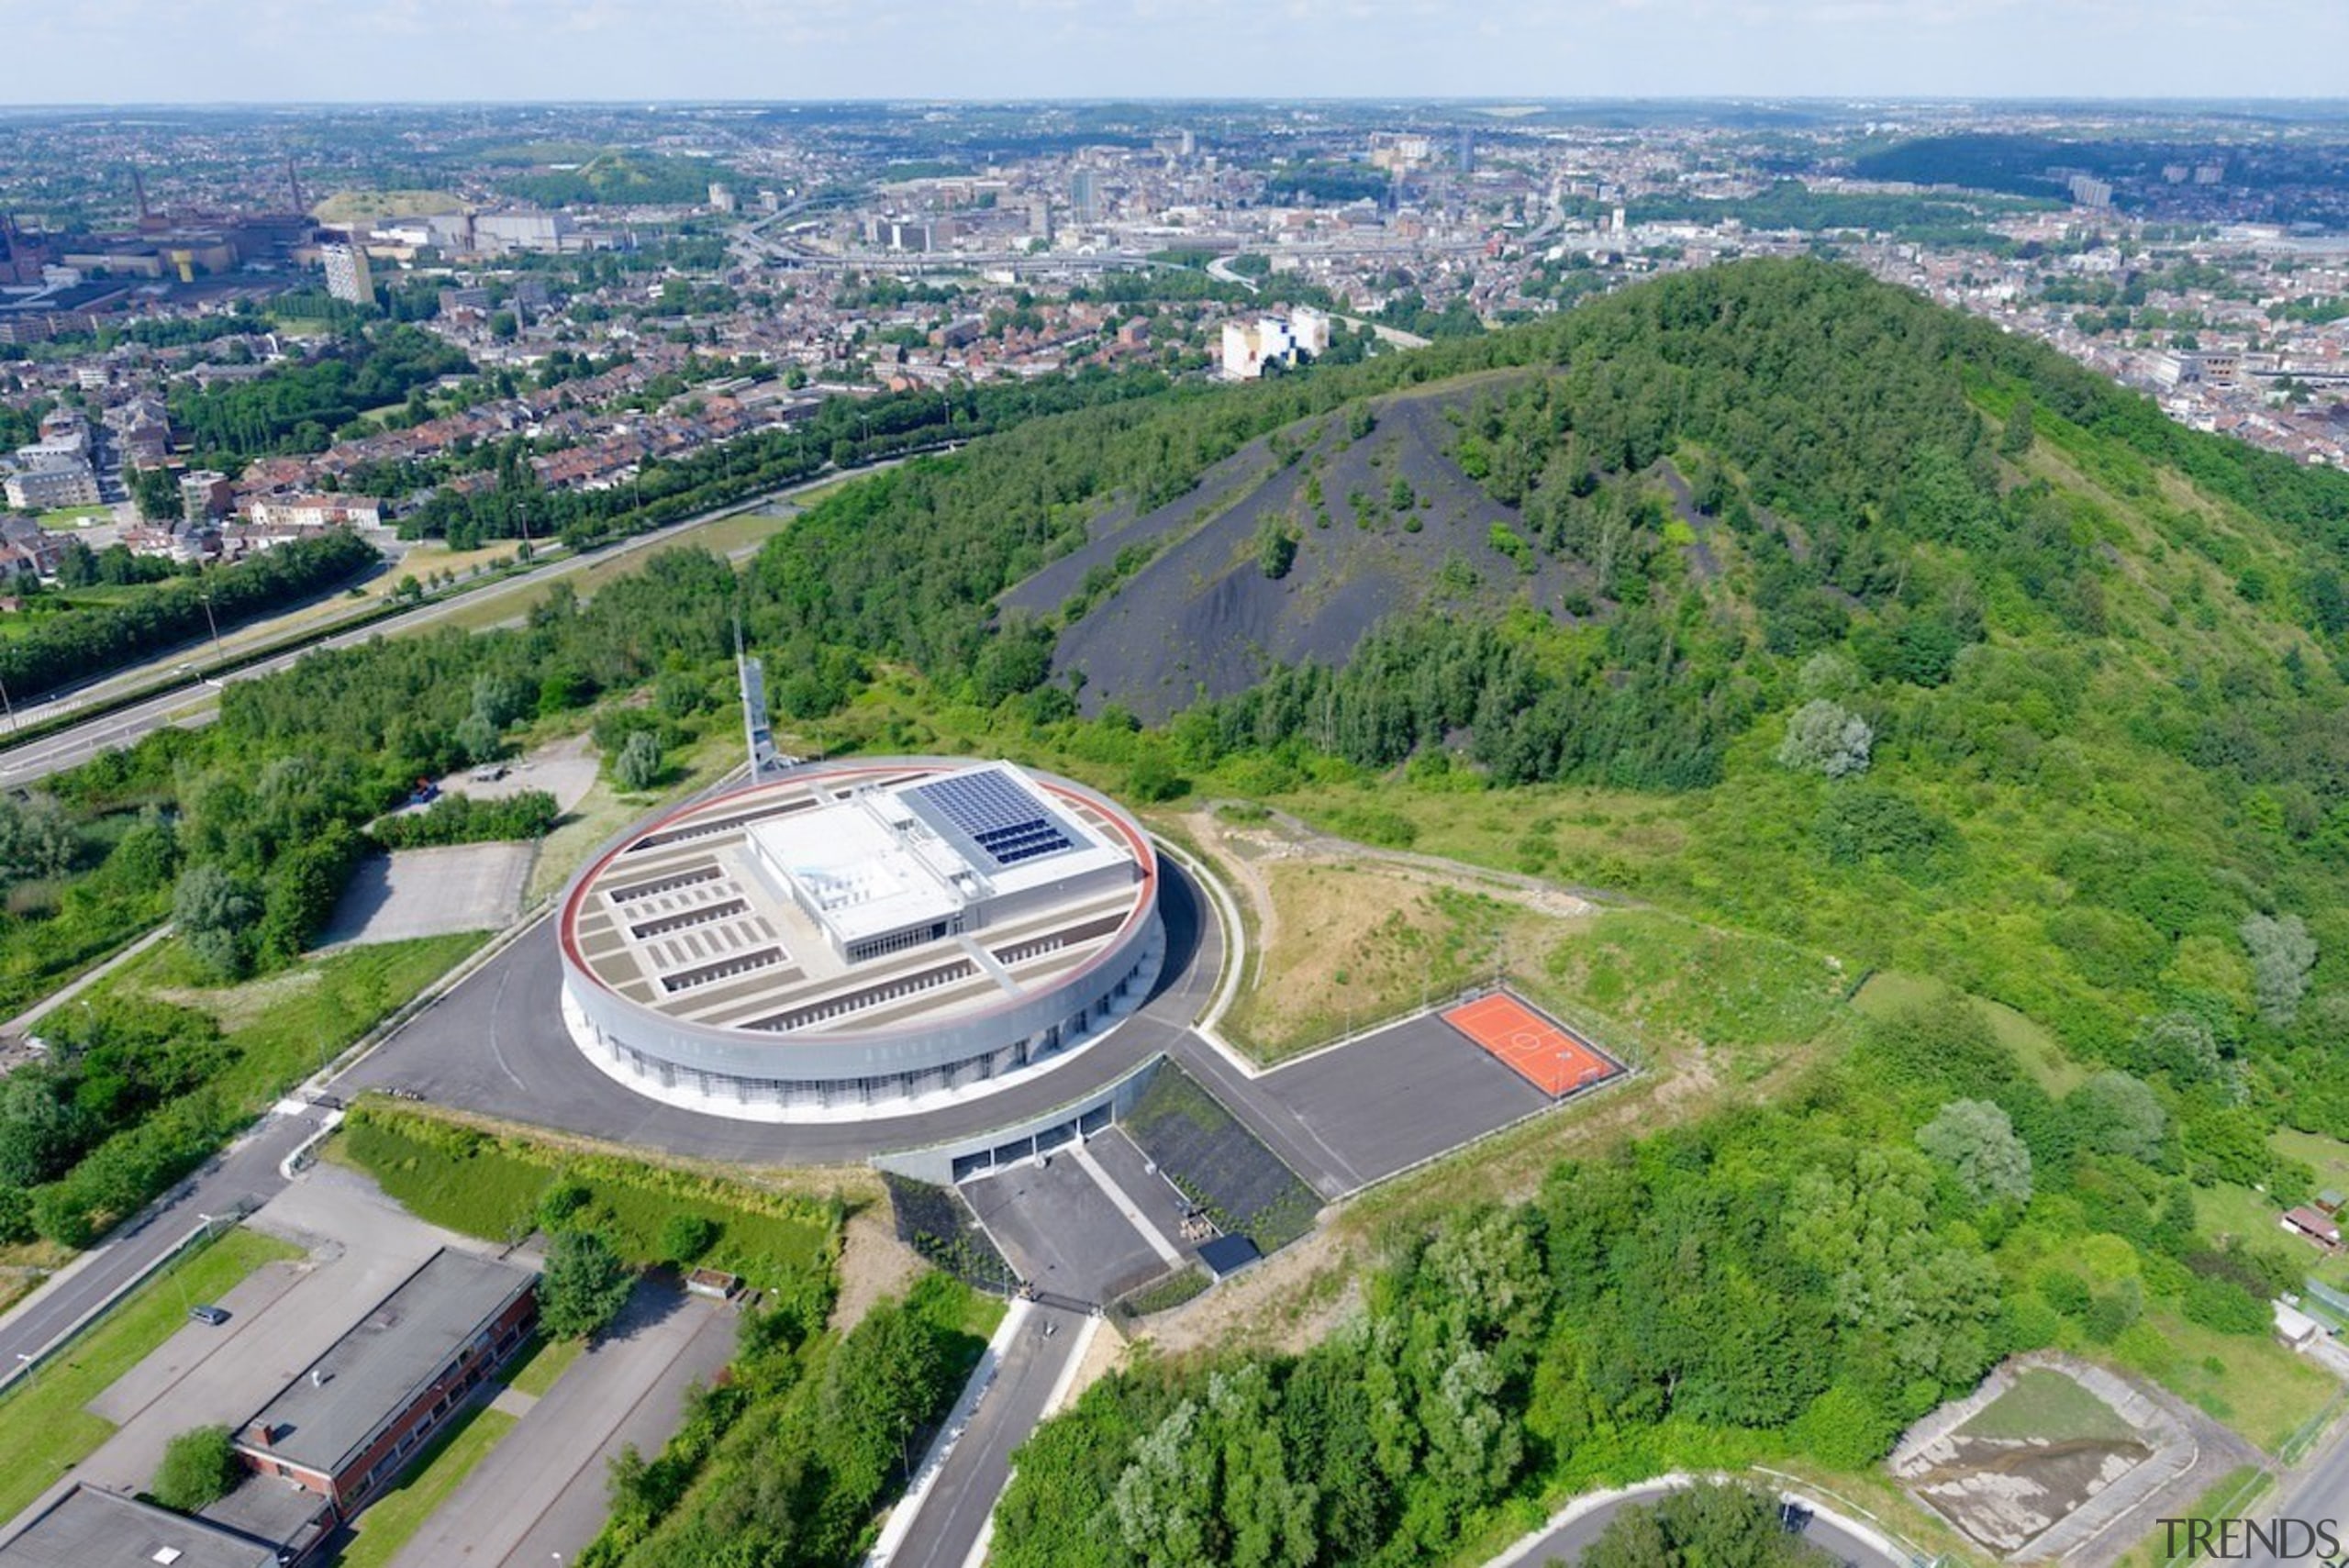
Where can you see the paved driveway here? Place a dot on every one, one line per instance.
(284, 1317)
(540, 1494)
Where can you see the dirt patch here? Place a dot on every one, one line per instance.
(1287, 1304)
(2054, 1458)
(873, 1264)
(1347, 935)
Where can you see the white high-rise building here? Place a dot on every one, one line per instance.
(1310, 329)
(347, 277)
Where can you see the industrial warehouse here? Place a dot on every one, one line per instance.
(859, 940)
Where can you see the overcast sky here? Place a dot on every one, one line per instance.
(310, 50)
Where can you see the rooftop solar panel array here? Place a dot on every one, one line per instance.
(1002, 818)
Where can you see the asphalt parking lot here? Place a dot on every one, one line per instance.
(1406, 1093)
(1348, 1117)
(1063, 1230)
(431, 893)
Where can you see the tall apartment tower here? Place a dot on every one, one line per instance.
(347, 277)
(1085, 195)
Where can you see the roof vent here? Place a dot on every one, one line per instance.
(167, 1555)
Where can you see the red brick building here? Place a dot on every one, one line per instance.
(351, 1421)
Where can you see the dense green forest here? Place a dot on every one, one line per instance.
(298, 408)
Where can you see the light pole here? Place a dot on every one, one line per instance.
(204, 591)
(6, 704)
(32, 1368)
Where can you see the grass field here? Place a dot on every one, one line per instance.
(2254, 1385)
(1889, 992)
(1691, 984)
(44, 1429)
(345, 206)
(1352, 945)
(2328, 1157)
(2047, 1405)
(493, 1188)
(75, 517)
(394, 1518)
(283, 1025)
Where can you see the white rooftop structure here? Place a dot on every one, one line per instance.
(908, 862)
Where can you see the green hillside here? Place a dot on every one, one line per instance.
(2097, 656)
(1792, 604)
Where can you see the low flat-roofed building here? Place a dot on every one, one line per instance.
(91, 1528)
(359, 1413)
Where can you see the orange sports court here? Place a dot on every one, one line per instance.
(1544, 1052)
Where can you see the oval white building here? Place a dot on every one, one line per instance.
(860, 939)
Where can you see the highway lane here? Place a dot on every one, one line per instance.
(242, 1177)
(195, 703)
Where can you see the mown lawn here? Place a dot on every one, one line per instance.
(494, 1188)
(391, 1521)
(2047, 1406)
(43, 1426)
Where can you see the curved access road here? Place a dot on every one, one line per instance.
(1570, 1532)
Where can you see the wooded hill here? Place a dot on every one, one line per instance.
(1944, 653)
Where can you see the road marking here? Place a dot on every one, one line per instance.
(1125, 1205)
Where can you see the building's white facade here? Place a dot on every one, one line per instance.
(346, 275)
(859, 940)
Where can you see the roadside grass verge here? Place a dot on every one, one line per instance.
(44, 1429)
(492, 1186)
(544, 1361)
(391, 1521)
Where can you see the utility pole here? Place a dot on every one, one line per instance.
(203, 590)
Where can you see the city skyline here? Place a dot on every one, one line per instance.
(624, 51)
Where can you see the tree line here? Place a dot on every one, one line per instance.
(59, 649)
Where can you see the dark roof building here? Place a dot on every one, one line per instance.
(351, 1421)
(2314, 1226)
(91, 1528)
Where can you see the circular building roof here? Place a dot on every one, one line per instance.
(876, 904)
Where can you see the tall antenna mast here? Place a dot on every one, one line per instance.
(758, 734)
